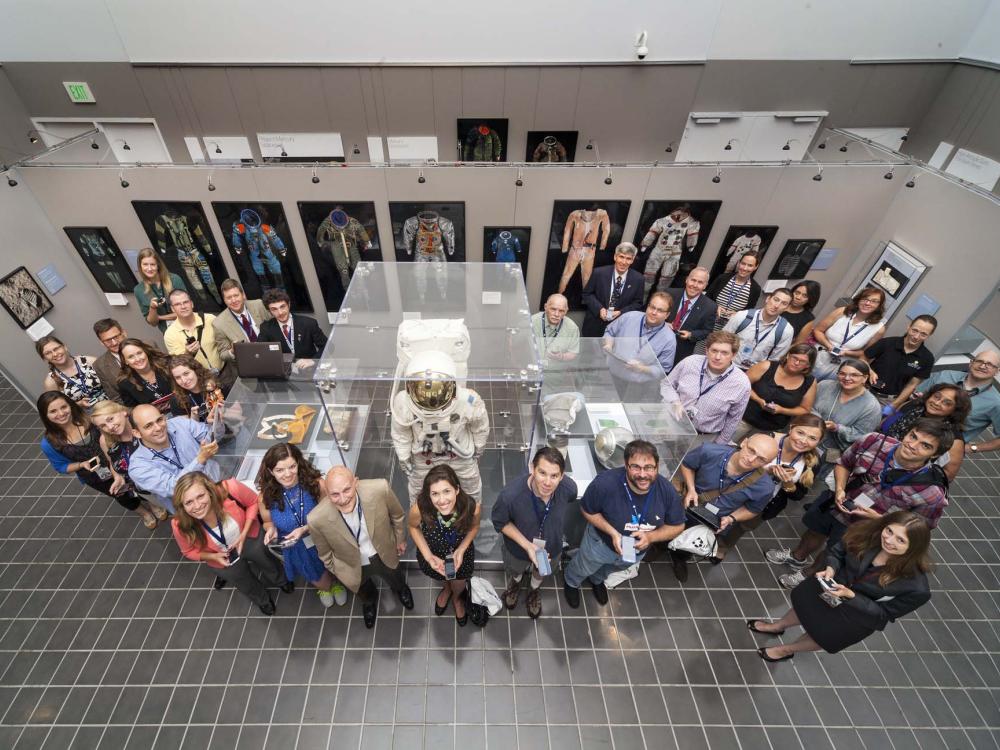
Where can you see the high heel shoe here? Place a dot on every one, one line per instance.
(464, 596)
(440, 609)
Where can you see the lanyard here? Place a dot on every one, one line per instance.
(361, 515)
(757, 338)
(652, 331)
(450, 534)
(81, 383)
(246, 312)
(722, 474)
(637, 518)
(732, 291)
(300, 514)
(291, 333)
(781, 446)
(153, 387)
(220, 537)
(544, 515)
(885, 485)
(847, 331)
(701, 379)
(175, 461)
(555, 331)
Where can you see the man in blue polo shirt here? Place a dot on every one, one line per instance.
(978, 383)
(627, 510)
(530, 512)
(736, 478)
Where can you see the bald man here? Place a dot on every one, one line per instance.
(731, 484)
(360, 532)
(557, 336)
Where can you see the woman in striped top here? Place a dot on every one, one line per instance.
(734, 292)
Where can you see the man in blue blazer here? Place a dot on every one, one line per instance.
(611, 291)
(693, 316)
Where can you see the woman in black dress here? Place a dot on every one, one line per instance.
(778, 391)
(800, 316)
(443, 522)
(876, 574)
(144, 378)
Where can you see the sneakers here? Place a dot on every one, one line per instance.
(783, 556)
(326, 597)
(339, 594)
(791, 580)
(512, 593)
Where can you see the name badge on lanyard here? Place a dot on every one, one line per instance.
(638, 519)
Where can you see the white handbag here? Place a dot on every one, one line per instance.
(484, 594)
(698, 540)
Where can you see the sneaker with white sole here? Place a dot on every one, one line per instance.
(791, 580)
(326, 597)
(783, 556)
(339, 594)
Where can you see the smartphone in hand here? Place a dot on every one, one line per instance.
(628, 549)
(449, 567)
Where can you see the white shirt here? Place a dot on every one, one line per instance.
(355, 519)
(230, 532)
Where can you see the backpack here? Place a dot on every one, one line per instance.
(779, 331)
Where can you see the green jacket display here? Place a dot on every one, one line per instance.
(482, 144)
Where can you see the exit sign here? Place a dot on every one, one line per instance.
(79, 92)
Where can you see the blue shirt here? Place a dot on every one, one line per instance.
(158, 474)
(632, 325)
(707, 462)
(607, 495)
(517, 505)
(985, 404)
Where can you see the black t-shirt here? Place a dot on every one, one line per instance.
(895, 367)
(798, 320)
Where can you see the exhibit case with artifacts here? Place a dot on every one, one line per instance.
(435, 363)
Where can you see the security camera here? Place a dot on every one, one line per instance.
(641, 50)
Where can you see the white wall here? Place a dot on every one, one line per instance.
(261, 31)
(984, 43)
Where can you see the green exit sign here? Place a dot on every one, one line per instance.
(79, 92)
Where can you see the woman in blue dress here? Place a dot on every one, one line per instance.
(290, 487)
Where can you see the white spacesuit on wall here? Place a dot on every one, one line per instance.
(434, 421)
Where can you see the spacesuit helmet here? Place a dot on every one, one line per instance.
(430, 380)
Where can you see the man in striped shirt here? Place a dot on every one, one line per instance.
(709, 388)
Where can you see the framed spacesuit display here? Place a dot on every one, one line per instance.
(797, 256)
(262, 250)
(507, 245)
(583, 236)
(428, 232)
(100, 253)
(739, 241)
(482, 139)
(551, 146)
(179, 232)
(340, 235)
(671, 237)
(23, 298)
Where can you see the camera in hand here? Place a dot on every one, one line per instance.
(827, 584)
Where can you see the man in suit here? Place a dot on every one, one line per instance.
(109, 365)
(694, 313)
(299, 335)
(240, 322)
(611, 291)
(360, 534)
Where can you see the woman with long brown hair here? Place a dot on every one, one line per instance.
(217, 524)
(196, 391)
(72, 443)
(290, 487)
(443, 523)
(945, 401)
(154, 287)
(876, 574)
(144, 378)
(849, 330)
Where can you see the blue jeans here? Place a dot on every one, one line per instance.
(594, 560)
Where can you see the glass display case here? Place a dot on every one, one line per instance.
(474, 314)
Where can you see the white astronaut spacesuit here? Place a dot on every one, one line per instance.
(672, 234)
(748, 242)
(436, 422)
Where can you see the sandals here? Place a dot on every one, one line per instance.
(762, 653)
(440, 609)
(750, 626)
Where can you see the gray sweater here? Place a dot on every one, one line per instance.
(856, 418)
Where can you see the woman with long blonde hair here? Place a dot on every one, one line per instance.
(153, 290)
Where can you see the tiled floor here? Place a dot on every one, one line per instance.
(108, 640)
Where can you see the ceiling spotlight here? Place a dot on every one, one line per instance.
(670, 147)
(125, 146)
(590, 145)
(818, 177)
(888, 175)
(356, 150)
(904, 138)
(610, 178)
(641, 50)
(121, 178)
(729, 145)
(912, 182)
(420, 177)
(718, 175)
(519, 182)
(93, 144)
(843, 149)
(823, 144)
(218, 149)
(33, 136)
(283, 152)
(315, 177)
(10, 180)
(787, 146)
(211, 186)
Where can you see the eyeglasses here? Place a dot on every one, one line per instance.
(985, 363)
(660, 310)
(851, 375)
(643, 469)
(113, 339)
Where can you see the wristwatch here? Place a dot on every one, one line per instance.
(974, 448)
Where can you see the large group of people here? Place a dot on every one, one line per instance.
(785, 407)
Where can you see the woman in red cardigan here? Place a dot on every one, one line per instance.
(217, 524)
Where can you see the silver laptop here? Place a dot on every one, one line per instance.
(261, 359)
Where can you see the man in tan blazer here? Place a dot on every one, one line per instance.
(239, 322)
(360, 534)
(109, 365)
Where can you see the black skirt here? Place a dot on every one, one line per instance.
(833, 628)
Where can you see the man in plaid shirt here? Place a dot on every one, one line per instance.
(876, 475)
